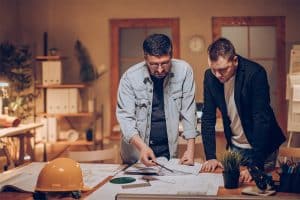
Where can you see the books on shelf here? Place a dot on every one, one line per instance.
(52, 129)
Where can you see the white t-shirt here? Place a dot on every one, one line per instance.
(238, 136)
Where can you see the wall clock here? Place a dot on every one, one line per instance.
(196, 44)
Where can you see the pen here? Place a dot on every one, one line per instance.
(170, 170)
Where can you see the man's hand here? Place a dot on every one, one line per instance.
(147, 156)
(187, 158)
(146, 153)
(211, 165)
(245, 176)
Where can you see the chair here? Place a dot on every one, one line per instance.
(96, 155)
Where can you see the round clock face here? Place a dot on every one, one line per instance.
(196, 44)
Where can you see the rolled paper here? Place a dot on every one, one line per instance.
(9, 121)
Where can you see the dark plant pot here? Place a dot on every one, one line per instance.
(231, 179)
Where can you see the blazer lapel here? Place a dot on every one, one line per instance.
(221, 98)
(239, 81)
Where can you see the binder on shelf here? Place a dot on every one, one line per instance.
(74, 100)
(52, 72)
(57, 101)
(63, 100)
(42, 132)
(52, 129)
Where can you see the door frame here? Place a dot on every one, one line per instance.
(115, 27)
(279, 23)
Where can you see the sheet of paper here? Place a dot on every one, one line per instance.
(173, 164)
(185, 169)
(25, 178)
(202, 184)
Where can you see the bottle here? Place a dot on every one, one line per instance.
(89, 134)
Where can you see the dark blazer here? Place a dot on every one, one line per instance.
(252, 98)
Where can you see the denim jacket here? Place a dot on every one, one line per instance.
(135, 106)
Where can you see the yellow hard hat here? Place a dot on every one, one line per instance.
(60, 175)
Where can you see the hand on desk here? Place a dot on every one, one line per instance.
(211, 165)
(187, 158)
(147, 156)
(245, 176)
(146, 153)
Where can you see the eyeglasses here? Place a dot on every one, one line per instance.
(222, 71)
(157, 65)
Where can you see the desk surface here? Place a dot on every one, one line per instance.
(222, 194)
(13, 131)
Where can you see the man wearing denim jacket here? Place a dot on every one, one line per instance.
(153, 96)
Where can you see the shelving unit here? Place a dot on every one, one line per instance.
(293, 96)
(67, 114)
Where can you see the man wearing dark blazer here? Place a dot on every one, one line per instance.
(239, 88)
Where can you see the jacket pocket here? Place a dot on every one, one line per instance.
(141, 109)
(177, 98)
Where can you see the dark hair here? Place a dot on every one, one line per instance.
(221, 47)
(157, 45)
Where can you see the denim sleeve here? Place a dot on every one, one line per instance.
(188, 109)
(126, 108)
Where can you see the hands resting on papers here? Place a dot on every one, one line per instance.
(213, 164)
(147, 155)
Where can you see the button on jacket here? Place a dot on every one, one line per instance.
(135, 106)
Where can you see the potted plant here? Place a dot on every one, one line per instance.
(231, 168)
(16, 67)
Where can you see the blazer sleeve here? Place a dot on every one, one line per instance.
(208, 120)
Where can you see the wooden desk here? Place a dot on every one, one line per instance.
(22, 132)
(222, 194)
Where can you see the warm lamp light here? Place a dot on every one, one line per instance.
(3, 94)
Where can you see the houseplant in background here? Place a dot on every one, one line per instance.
(16, 67)
(231, 162)
(88, 74)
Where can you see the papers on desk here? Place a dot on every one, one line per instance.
(187, 182)
(201, 184)
(173, 164)
(25, 178)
